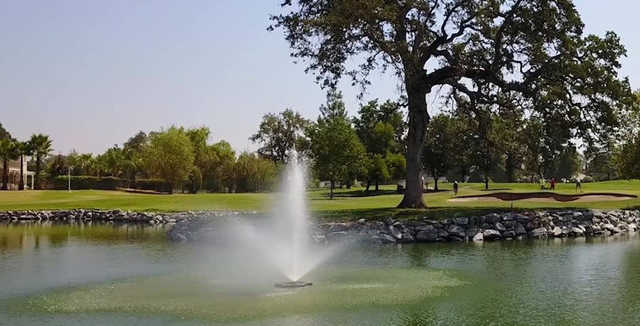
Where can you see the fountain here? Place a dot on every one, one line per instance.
(283, 240)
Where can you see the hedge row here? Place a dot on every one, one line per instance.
(108, 183)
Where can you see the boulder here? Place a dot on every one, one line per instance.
(538, 233)
(509, 234)
(395, 231)
(427, 234)
(457, 231)
(491, 234)
(576, 232)
(479, 237)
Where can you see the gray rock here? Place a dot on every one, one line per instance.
(520, 230)
(490, 234)
(509, 234)
(395, 231)
(457, 231)
(428, 234)
(500, 227)
(576, 232)
(478, 237)
(538, 233)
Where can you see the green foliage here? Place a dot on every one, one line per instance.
(254, 174)
(627, 158)
(169, 155)
(9, 150)
(158, 185)
(515, 56)
(88, 182)
(397, 165)
(217, 170)
(195, 180)
(132, 152)
(381, 127)
(335, 147)
(600, 161)
(378, 172)
(280, 133)
(57, 166)
(568, 164)
(4, 134)
(40, 146)
(199, 138)
(440, 146)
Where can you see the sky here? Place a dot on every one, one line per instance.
(92, 73)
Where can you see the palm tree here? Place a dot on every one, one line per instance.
(41, 147)
(24, 149)
(8, 151)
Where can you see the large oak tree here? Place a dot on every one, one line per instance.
(481, 49)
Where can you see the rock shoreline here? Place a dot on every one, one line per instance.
(490, 227)
(114, 216)
(192, 225)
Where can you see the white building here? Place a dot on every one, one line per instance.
(14, 175)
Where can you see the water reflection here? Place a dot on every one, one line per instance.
(557, 281)
(37, 235)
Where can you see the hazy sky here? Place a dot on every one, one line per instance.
(92, 73)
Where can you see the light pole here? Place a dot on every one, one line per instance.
(69, 178)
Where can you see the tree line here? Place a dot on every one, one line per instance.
(463, 143)
(340, 149)
(169, 159)
(38, 146)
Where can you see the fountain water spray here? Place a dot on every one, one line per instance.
(284, 239)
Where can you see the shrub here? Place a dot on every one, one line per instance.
(83, 182)
(153, 184)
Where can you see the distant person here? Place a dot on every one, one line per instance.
(553, 183)
(455, 188)
(542, 183)
(578, 185)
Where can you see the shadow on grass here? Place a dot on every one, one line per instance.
(362, 193)
(372, 193)
(399, 213)
(435, 213)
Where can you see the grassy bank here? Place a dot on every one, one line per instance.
(348, 204)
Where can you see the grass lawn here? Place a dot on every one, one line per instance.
(348, 204)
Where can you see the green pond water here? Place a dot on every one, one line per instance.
(131, 275)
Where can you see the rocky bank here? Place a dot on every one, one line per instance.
(114, 216)
(490, 227)
(195, 225)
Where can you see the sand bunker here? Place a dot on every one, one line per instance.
(545, 197)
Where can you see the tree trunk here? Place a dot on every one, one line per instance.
(21, 182)
(38, 168)
(377, 188)
(418, 120)
(368, 185)
(435, 181)
(486, 182)
(331, 186)
(5, 174)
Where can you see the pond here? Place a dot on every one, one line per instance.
(130, 274)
